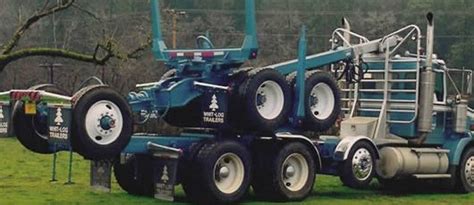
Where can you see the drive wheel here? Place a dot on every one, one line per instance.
(466, 172)
(222, 173)
(266, 100)
(135, 176)
(102, 124)
(322, 102)
(358, 169)
(32, 130)
(287, 174)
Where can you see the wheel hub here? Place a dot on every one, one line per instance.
(295, 172)
(362, 164)
(269, 100)
(107, 122)
(261, 99)
(224, 172)
(289, 171)
(469, 171)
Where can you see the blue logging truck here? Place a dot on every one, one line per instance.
(245, 127)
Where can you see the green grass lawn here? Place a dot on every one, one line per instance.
(24, 179)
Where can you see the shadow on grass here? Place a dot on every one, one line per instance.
(405, 189)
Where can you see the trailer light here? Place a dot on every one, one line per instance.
(207, 54)
(204, 54)
(20, 95)
(253, 55)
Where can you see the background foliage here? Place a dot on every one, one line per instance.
(127, 21)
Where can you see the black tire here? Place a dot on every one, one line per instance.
(364, 151)
(136, 175)
(11, 130)
(269, 180)
(84, 144)
(466, 175)
(32, 130)
(200, 186)
(248, 111)
(316, 121)
(187, 116)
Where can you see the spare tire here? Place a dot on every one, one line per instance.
(264, 101)
(32, 130)
(102, 123)
(322, 102)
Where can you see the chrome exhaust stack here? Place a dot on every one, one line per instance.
(347, 26)
(427, 86)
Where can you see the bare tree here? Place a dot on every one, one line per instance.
(105, 49)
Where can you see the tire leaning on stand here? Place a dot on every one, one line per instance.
(102, 123)
(31, 130)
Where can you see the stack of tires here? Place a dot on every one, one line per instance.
(264, 101)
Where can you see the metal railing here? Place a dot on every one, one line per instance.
(381, 99)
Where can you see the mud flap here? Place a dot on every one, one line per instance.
(59, 123)
(101, 174)
(165, 169)
(214, 108)
(5, 120)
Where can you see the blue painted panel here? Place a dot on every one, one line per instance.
(456, 144)
(138, 143)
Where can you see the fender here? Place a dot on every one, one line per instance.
(304, 140)
(345, 145)
(457, 146)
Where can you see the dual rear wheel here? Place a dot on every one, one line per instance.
(221, 172)
(283, 172)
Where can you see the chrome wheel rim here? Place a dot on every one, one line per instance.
(469, 171)
(362, 164)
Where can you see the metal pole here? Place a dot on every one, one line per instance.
(69, 175)
(175, 21)
(50, 67)
(55, 157)
(174, 16)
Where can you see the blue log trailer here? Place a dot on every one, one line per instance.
(245, 127)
